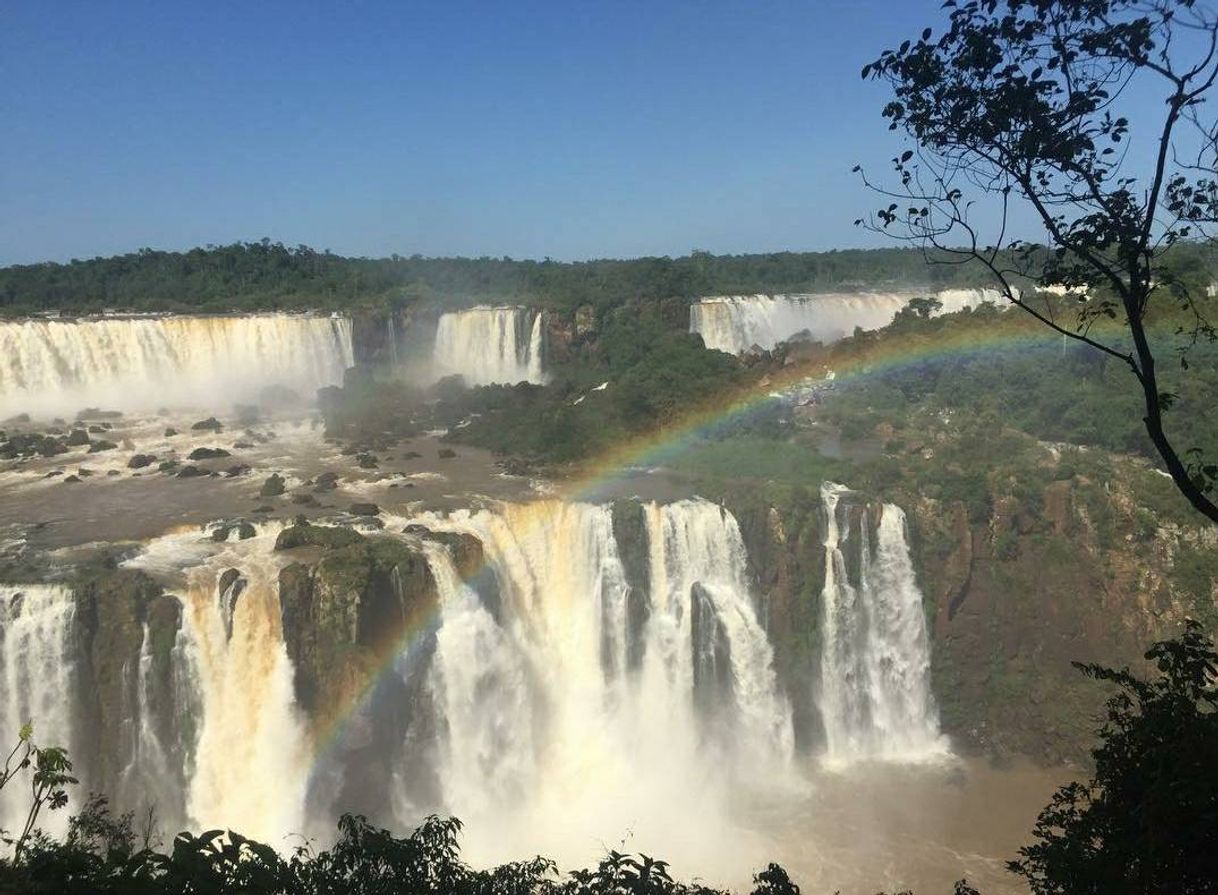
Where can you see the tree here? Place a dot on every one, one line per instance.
(1018, 104)
(1148, 820)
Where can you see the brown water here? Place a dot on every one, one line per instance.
(860, 830)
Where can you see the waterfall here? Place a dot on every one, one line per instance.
(543, 726)
(144, 363)
(37, 680)
(875, 696)
(491, 345)
(737, 323)
(698, 568)
(242, 745)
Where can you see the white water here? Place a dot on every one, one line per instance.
(37, 678)
(548, 739)
(491, 345)
(875, 696)
(737, 323)
(249, 764)
(57, 367)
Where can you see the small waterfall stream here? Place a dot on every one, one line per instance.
(37, 680)
(488, 345)
(875, 695)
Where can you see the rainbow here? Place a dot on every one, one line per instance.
(873, 356)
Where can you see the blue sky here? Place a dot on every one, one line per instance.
(530, 129)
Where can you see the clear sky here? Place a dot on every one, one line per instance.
(560, 128)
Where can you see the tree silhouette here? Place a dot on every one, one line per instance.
(1018, 102)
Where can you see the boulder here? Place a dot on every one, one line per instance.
(211, 424)
(139, 461)
(365, 509)
(307, 535)
(274, 486)
(77, 437)
(207, 453)
(192, 472)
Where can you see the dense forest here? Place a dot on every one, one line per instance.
(269, 275)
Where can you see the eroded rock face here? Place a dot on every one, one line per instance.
(787, 562)
(112, 606)
(630, 533)
(346, 614)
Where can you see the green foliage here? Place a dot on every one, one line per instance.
(1148, 819)
(266, 275)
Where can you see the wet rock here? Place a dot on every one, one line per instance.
(112, 606)
(97, 429)
(167, 466)
(84, 473)
(111, 473)
(264, 508)
(244, 530)
(515, 466)
(446, 453)
(139, 461)
(305, 499)
(77, 437)
(411, 455)
(71, 480)
(327, 481)
(211, 424)
(102, 445)
(207, 453)
(243, 445)
(273, 486)
(170, 431)
(32, 445)
(230, 586)
(237, 469)
(366, 461)
(308, 535)
(365, 509)
(192, 472)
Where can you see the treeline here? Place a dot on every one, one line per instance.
(269, 275)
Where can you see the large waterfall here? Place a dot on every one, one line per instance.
(586, 670)
(875, 695)
(37, 678)
(489, 345)
(144, 363)
(737, 323)
(573, 716)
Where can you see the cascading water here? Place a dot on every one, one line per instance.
(546, 729)
(737, 323)
(489, 345)
(37, 680)
(144, 363)
(247, 763)
(615, 679)
(875, 696)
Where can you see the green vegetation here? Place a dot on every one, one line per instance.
(1143, 823)
(1146, 821)
(266, 275)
